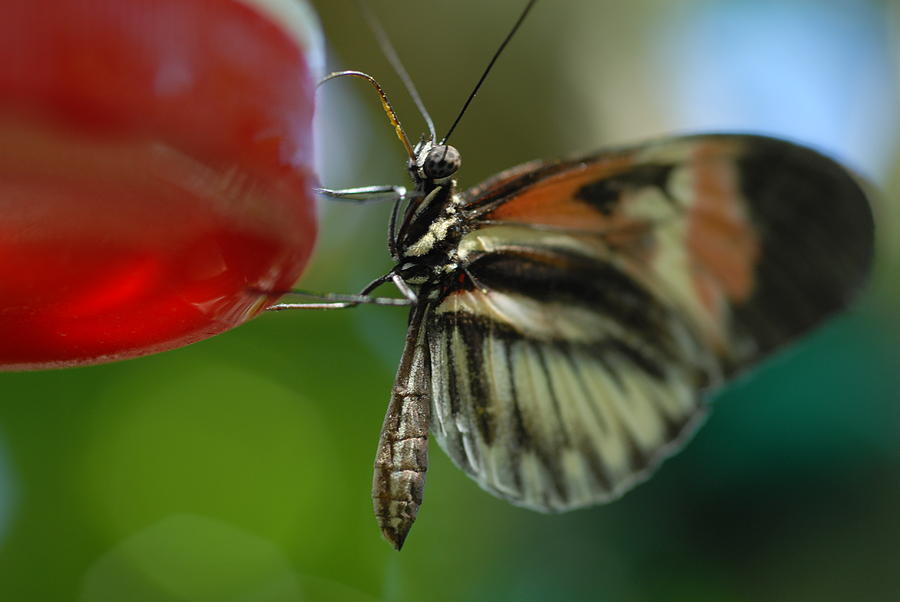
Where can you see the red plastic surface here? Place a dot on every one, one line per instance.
(155, 172)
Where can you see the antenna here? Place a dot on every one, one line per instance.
(487, 70)
(385, 103)
(394, 59)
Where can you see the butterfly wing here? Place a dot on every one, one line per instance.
(598, 299)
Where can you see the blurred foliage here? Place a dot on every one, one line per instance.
(239, 468)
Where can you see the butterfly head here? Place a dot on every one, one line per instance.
(435, 162)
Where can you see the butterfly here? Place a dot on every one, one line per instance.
(569, 318)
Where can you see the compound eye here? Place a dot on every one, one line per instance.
(441, 161)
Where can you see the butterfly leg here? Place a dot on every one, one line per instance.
(404, 289)
(402, 458)
(339, 301)
(364, 194)
(336, 301)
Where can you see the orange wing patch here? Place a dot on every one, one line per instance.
(554, 202)
(722, 241)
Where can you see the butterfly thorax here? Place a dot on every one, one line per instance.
(432, 225)
(430, 234)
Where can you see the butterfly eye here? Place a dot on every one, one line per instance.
(441, 161)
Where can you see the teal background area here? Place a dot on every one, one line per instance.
(238, 469)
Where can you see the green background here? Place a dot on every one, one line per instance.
(239, 469)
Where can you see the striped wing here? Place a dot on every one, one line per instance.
(598, 299)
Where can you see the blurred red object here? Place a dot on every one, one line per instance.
(155, 172)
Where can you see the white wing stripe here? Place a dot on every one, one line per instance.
(547, 425)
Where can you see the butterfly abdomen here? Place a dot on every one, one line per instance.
(402, 456)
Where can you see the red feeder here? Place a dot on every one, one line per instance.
(155, 171)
